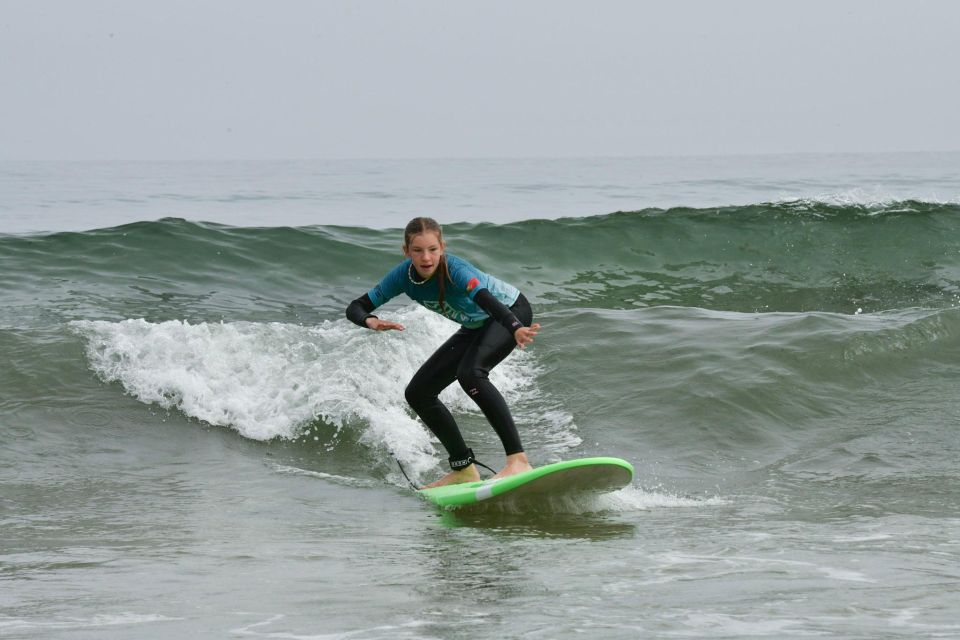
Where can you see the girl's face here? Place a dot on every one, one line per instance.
(425, 250)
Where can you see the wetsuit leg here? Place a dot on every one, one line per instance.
(487, 350)
(435, 375)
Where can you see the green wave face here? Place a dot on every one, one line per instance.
(787, 257)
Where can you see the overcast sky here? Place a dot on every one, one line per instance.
(228, 79)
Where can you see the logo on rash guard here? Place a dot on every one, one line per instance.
(473, 284)
(447, 311)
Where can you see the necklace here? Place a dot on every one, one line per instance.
(410, 275)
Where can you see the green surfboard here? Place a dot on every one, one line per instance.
(557, 480)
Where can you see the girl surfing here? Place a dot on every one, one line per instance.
(494, 317)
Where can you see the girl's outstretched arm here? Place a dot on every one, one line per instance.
(360, 309)
(502, 314)
(358, 312)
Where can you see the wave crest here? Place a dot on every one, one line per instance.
(273, 380)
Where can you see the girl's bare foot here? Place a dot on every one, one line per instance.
(467, 474)
(516, 463)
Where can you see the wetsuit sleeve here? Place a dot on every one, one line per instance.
(359, 310)
(497, 310)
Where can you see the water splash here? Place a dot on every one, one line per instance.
(274, 380)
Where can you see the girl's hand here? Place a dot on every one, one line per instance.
(524, 335)
(383, 325)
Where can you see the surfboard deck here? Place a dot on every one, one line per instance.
(560, 479)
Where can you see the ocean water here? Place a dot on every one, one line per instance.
(195, 443)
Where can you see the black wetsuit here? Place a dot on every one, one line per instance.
(467, 356)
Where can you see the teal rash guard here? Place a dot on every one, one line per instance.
(471, 296)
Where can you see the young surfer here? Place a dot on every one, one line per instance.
(494, 317)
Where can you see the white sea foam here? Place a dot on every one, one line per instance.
(626, 500)
(270, 380)
(875, 197)
(403, 630)
(10, 624)
(845, 575)
(634, 498)
(701, 624)
(330, 477)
